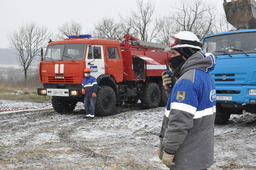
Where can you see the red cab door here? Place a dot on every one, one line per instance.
(114, 63)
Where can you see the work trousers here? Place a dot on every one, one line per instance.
(89, 105)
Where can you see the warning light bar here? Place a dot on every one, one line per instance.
(80, 36)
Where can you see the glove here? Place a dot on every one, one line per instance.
(83, 91)
(166, 81)
(168, 159)
(94, 95)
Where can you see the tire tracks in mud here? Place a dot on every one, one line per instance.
(30, 122)
(74, 142)
(14, 122)
(78, 146)
(23, 129)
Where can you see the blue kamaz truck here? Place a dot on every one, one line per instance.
(235, 71)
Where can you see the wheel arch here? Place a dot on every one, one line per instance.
(107, 80)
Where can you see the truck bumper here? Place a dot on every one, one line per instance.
(236, 94)
(59, 92)
(236, 108)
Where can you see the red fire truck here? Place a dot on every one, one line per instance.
(126, 72)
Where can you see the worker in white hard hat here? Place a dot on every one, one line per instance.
(187, 134)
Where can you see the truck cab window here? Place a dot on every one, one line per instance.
(65, 52)
(74, 52)
(94, 52)
(113, 53)
(54, 53)
(230, 44)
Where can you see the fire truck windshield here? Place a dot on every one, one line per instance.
(238, 43)
(65, 52)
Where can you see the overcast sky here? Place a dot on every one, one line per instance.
(54, 13)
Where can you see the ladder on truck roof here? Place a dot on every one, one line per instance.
(135, 42)
(148, 44)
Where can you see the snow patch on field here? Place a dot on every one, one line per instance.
(7, 105)
(127, 140)
(42, 138)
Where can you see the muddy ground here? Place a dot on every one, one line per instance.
(128, 140)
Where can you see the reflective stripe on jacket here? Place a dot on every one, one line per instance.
(90, 85)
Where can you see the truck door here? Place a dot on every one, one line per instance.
(114, 63)
(95, 60)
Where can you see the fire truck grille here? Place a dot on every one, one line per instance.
(60, 79)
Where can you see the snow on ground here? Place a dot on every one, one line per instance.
(128, 140)
(21, 105)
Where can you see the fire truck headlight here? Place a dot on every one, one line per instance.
(252, 91)
(43, 92)
(74, 93)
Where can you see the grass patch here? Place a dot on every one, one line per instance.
(14, 87)
(22, 95)
(234, 165)
(4, 147)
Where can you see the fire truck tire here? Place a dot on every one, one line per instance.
(106, 101)
(151, 96)
(63, 104)
(222, 114)
(164, 95)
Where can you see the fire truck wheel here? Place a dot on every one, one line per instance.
(151, 96)
(106, 101)
(222, 114)
(63, 104)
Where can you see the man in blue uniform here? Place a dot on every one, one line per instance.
(187, 134)
(89, 89)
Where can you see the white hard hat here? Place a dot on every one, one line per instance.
(185, 39)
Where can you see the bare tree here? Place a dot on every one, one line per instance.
(166, 30)
(194, 17)
(141, 22)
(69, 28)
(28, 41)
(222, 25)
(107, 28)
(142, 18)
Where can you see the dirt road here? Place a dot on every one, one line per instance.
(128, 140)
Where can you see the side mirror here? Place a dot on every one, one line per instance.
(42, 54)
